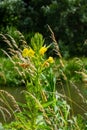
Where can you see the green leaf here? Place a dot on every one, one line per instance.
(47, 104)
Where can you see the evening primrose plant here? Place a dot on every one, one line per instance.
(36, 57)
(34, 61)
(38, 64)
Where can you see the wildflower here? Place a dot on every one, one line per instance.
(25, 52)
(28, 52)
(31, 53)
(43, 50)
(50, 60)
(45, 64)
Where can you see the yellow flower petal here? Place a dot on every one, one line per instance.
(31, 53)
(28, 52)
(50, 60)
(43, 50)
(45, 64)
(25, 52)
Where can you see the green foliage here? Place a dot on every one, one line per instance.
(1, 127)
(37, 41)
(8, 74)
(44, 108)
(12, 10)
(10, 36)
(67, 18)
(72, 68)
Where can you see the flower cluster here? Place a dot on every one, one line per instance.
(28, 52)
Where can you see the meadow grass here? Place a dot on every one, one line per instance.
(45, 108)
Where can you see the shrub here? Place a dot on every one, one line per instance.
(67, 18)
(12, 10)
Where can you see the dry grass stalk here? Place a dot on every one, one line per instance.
(78, 91)
(8, 56)
(15, 50)
(57, 50)
(8, 105)
(5, 113)
(12, 41)
(56, 47)
(8, 97)
(3, 76)
(4, 38)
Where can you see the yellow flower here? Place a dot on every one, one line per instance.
(50, 60)
(25, 52)
(31, 53)
(43, 50)
(28, 52)
(45, 64)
